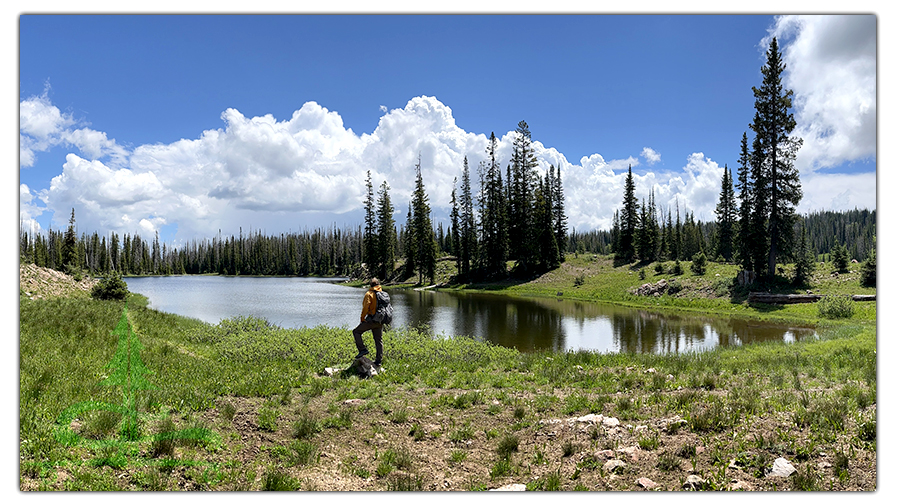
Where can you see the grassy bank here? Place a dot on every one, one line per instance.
(242, 405)
(598, 278)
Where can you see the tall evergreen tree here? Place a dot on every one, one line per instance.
(454, 226)
(548, 251)
(69, 247)
(777, 149)
(726, 213)
(426, 246)
(494, 244)
(387, 234)
(560, 224)
(522, 188)
(629, 220)
(370, 241)
(468, 237)
(805, 261)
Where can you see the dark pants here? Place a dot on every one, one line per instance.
(376, 335)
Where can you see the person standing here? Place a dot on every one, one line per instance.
(370, 303)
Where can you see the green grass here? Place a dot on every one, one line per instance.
(823, 388)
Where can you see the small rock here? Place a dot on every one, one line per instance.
(647, 483)
(611, 422)
(353, 402)
(604, 455)
(614, 466)
(510, 487)
(591, 418)
(693, 482)
(781, 468)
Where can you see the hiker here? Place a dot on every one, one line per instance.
(366, 323)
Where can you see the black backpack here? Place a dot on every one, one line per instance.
(384, 312)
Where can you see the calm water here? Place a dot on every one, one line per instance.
(525, 323)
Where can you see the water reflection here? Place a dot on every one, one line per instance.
(527, 324)
(536, 323)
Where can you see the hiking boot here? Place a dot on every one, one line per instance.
(361, 354)
(377, 364)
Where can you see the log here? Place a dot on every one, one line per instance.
(797, 298)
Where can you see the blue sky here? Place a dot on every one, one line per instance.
(188, 125)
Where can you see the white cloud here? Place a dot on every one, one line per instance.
(28, 211)
(258, 173)
(650, 155)
(831, 67)
(42, 126)
(825, 191)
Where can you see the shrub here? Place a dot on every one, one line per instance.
(698, 263)
(279, 481)
(840, 258)
(677, 269)
(112, 287)
(867, 271)
(508, 445)
(836, 306)
(267, 419)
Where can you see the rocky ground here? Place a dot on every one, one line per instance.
(42, 283)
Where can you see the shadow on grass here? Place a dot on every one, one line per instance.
(777, 284)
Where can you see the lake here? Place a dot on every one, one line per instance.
(527, 324)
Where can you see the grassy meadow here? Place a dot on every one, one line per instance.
(243, 405)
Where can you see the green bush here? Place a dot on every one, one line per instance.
(840, 258)
(698, 263)
(867, 271)
(836, 306)
(112, 287)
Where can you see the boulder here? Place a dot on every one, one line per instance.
(363, 367)
(781, 468)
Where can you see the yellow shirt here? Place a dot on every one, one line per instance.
(370, 303)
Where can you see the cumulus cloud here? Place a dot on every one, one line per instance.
(260, 173)
(830, 65)
(42, 126)
(28, 210)
(650, 155)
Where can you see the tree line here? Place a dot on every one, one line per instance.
(521, 219)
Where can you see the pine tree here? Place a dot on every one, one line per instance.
(725, 218)
(560, 225)
(426, 246)
(867, 273)
(370, 242)
(840, 258)
(454, 226)
(616, 233)
(805, 261)
(522, 187)
(468, 235)
(548, 251)
(69, 248)
(629, 221)
(494, 243)
(773, 123)
(387, 234)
